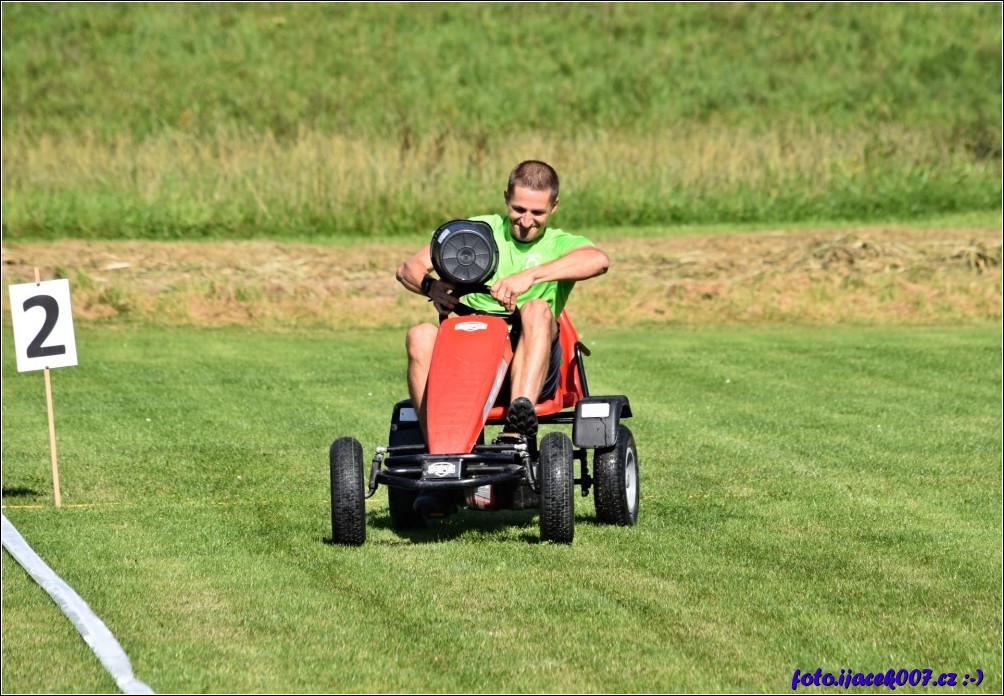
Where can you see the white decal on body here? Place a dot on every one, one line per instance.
(470, 326)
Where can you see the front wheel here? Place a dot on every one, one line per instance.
(348, 500)
(557, 489)
(616, 481)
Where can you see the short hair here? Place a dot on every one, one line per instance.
(536, 176)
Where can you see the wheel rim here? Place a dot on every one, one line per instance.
(631, 481)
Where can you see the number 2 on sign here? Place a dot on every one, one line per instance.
(43, 339)
(37, 347)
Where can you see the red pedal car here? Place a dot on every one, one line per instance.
(470, 361)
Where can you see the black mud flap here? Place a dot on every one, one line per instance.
(596, 421)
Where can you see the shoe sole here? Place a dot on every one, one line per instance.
(521, 418)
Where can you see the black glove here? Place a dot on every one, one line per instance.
(439, 293)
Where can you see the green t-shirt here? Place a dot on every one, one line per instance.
(515, 256)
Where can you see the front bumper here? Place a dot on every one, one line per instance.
(410, 467)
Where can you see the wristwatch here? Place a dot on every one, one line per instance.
(427, 282)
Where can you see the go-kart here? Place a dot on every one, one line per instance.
(511, 472)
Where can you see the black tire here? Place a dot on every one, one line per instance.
(615, 475)
(401, 502)
(348, 499)
(557, 489)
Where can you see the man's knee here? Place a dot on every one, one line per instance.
(537, 314)
(421, 339)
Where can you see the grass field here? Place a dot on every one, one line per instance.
(802, 202)
(811, 497)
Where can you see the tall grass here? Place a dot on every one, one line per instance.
(243, 185)
(133, 120)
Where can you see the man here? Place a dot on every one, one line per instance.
(538, 266)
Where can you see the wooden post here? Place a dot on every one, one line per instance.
(52, 428)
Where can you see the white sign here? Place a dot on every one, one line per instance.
(43, 325)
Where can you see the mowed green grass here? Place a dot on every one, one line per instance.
(811, 497)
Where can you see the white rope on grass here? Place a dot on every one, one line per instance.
(92, 629)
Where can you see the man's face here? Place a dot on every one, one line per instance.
(528, 212)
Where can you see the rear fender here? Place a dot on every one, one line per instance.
(596, 420)
(404, 426)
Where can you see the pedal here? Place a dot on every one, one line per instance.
(509, 439)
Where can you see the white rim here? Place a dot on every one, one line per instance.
(631, 481)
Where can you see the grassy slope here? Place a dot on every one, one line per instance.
(322, 119)
(811, 497)
(374, 69)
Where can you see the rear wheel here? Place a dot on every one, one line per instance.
(401, 502)
(557, 489)
(615, 471)
(348, 501)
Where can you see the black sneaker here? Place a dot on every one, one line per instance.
(434, 504)
(521, 418)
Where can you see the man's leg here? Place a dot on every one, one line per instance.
(420, 341)
(533, 353)
(529, 366)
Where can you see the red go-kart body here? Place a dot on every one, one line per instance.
(470, 363)
(469, 367)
